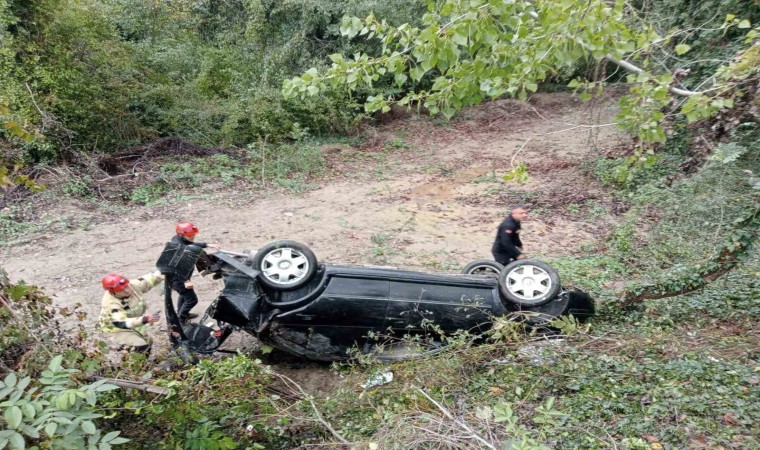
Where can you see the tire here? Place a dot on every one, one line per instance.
(285, 265)
(529, 282)
(484, 267)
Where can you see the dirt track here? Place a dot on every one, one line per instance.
(429, 201)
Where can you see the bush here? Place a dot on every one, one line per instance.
(53, 411)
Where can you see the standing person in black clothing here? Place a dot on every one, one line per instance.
(508, 247)
(187, 300)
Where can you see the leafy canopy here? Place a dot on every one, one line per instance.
(470, 50)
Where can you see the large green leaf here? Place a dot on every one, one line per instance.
(88, 427)
(10, 380)
(13, 417)
(16, 441)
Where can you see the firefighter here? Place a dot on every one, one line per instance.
(507, 246)
(185, 235)
(123, 313)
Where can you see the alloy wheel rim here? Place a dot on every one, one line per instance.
(528, 282)
(284, 266)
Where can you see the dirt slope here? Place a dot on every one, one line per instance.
(427, 196)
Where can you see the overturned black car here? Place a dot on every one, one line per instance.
(284, 297)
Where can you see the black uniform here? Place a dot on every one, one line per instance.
(507, 240)
(187, 297)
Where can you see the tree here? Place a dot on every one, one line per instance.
(467, 51)
(478, 49)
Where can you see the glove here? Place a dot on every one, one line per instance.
(152, 318)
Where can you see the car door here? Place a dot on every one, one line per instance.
(350, 307)
(440, 302)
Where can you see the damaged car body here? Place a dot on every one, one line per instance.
(328, 312)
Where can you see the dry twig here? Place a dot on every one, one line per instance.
(309, 398)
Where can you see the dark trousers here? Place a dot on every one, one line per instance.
(187, 298)
(502, 259)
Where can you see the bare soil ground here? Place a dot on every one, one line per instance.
(422, 194)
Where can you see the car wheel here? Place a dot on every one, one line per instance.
(285, 265)
(483, 267)
(529, 282)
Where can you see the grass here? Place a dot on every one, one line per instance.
(673, 374)
(439, 260)
(383, 248)
(14, 228)
(11, 229)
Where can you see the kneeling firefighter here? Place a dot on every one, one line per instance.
(123, 315)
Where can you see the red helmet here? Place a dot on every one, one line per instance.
(186, 229)
(114, 282)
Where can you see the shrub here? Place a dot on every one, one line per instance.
(53, 411)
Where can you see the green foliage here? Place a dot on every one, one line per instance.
(79, 186)
(24, 324)
(149, 194)
(476, 50)
(53, 411)
(11, 178)
(729, 299)
(213, 372)
(519, 174)
(622, 237)
(96, 75)
(209, 406)
(11, 226)
(290, 166)
(708, 45)
(208, 435)
(589, 273)
(632, 172)
(641, 111)
(689, 220)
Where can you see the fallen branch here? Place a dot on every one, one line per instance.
(512, 161)
(459, 423)
(124, 175)
(739, 243)
(6, 301)
(139, 385)
(305, 396)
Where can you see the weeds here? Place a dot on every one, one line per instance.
(383, 248)
(397, 144)
(439, 260)
(288, 166)
(11, 227)
(79, 187)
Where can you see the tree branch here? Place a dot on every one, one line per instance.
(706, 273)
(636, 69)
(631, 67)
(139, 385)
(512, 161)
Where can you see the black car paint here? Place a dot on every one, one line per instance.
(344, 304)
(341, 306)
